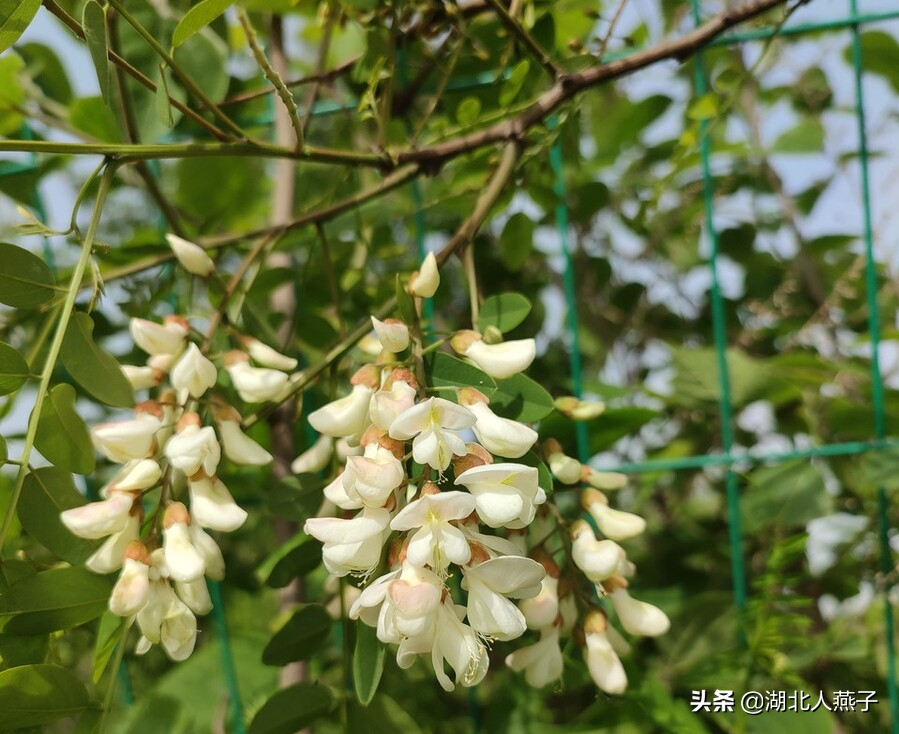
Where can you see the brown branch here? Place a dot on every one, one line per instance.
(74, 26)
(526, 39)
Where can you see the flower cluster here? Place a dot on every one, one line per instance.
(168, 446)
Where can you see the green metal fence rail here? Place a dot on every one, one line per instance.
(729, 459)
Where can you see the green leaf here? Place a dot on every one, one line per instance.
(704, 107)
(881, 468)
(514, 83)
(47, 492)
(25, 279)
(13, 369)
(404, 302)
(49, 73)
(31, 695)
(468, 110)
(52, 600)
(696, 380)
(93, 20)
(879, 53)
(788, 495)
(297, 557)
(15, 16)
(504, 311)
(109, 635)
(92, 367)
(382, 715)
(368, 662)
(291, 709)
(4, 452)
(296, 498)
(806, 137)
(62, 437)
(444, 370)
(303, 634)
(521, 399)
(197, 18)
(516, 243)
(23, 649)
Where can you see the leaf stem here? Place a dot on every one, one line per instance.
(56, 345)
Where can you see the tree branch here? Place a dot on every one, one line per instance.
(526, 39)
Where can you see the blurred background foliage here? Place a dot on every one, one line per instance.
(780, 122)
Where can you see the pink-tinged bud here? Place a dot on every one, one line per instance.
(477, 456)
(193, 372)
(175, 513)
(143, 378)
(132, 589)
(190, 256)
(404, 374)
(234, 357)
(388, 403)
(368, 375)
(468, 396)
(153, 338)
(264, 355)
(429, 488)
(463, 339)
(99, 519)
(150, 407)
(423, 283)
(579, 410)
(392, 333)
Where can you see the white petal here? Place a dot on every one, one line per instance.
(267, 357)
(499, 435)
(212, 506)
(140, 475)
(156, 338)
(239, 447)
(195, 594)
(413, 421)
(493, 615)
(178, 632)
(193, 372)
(369, 523)
(504, 359)
(344, 417)
(132, 589)
(256, 384)
(424, 284)
(99, 519)
(639, 617)
(315, 458)
(616, 524)
(183, 560)
(513, 576)
(604, 665)
(394, 336)
(209, 549)
(109, 556)
(192, 257)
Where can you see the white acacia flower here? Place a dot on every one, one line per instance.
(195, 594)
(213, 561)
(372, 477)
(109, 556)
(142, 378)
(501, 436)
(151, 614)
(132, 588)
(434, 424)
(598, 559)
(424, 282)
(367, 605)
(457, 644)
(344, 449)
(614, 524)
(315, 458)
(99, 519)
(127, 440)
(603, 662)
(639, 617)
(436, 542)
(155, 339)
(213, 507)
(183, 561)
(506, 494)
(564, 468)
(392, 333)
(346, 416)
(191, 256)
(335, 492)
(579, 410)
(542, 610)
(489, 583)
(386, 405)
(193, 372)
(350, 546)
(255, 384)
(194, 448)
(239, 447)
(263, 354)
(498, 360)
(178, 631)
(541, 662)
(603, 479)
(136, 475)
(410, 606)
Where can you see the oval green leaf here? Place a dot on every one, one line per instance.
(13, 369)
(15, 16)
(62, 437)
(291, 709)
(197, 18)
(521, 399)
(444, 370)
(504, 311)
(96, 34)
(25, 279)
(32, 695)
(46, 493)
(297, 557)
(305, 632)
(92, 367)
(368, 662)
(58, 599)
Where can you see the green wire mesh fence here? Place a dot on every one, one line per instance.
(728, 459)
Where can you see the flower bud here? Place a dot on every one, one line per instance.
(193, 372)
(603, 663)
(254, 384)
(137, 476)
(132, 589)
(191, 257)
(387, 404)
(598, 559)
(392, 333)
(541, 611)
(579, 410)
(153, 338)
(99, 519)
(315, 458)
(183, 561)
(477, 456)
(109, 556)
(639, 617)
(208, 548)
(193, 447)
(423, 283)
(263, 354)
(564, 468)
(142, 378)
(346, 416)
(127, 440)
(504, 359)
(614, 524)
(606, 480)
(501, 436)
(213, 506)
(195, 594)
(239, 447)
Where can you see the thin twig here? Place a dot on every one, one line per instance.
(526, 39)
(323, 50)
(324, 77)
(604, 43)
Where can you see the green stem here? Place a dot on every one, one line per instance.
(55, 346)
(472, 277)
(113, 675)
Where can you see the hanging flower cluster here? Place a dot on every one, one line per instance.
(170, 450)
(432, 503)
